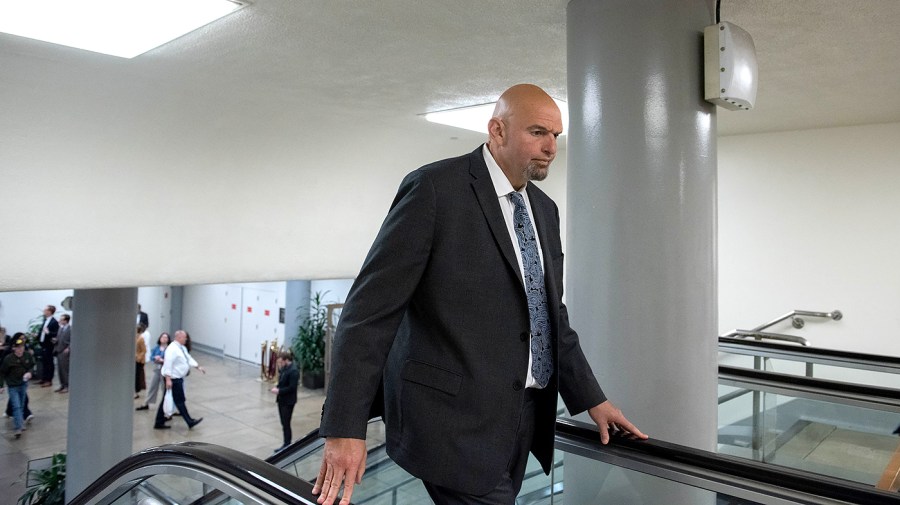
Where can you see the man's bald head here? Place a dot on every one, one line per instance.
(522, 133)
(521, 98)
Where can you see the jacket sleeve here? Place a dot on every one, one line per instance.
(577, 384)
(376, 305)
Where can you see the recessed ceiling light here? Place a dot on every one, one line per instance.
(124, 28)
(476, 117)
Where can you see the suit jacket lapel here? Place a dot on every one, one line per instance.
(490, 206)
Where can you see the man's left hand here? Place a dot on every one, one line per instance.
(606, 416)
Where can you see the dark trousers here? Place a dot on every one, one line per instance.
(511, 481)
(63, 365)
(178, 397)
(284, 413)
(26, 412)
(47, 368)
(140, 381)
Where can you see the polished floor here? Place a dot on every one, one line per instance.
(237, 408)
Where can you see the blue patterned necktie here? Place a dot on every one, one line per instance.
(541, 352)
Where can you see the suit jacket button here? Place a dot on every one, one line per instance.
(517, 385)
(523, 337)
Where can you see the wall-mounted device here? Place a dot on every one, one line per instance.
(729, 65)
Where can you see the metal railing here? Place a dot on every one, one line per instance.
(759, 363)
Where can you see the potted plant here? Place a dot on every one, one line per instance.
(309, 346)
(49, 485)
(33, 342)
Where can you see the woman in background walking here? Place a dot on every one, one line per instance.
(156, 359)
(140, 357)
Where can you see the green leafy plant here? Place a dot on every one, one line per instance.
(49, 486)
(33, 335)
(309, 346)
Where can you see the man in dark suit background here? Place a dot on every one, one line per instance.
(63, 342)
(286, 394)
(48, 342)
(458, 313)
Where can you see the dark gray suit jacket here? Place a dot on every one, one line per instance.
(439, 313)
(63, 338)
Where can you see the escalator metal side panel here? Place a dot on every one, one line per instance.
(755, 481)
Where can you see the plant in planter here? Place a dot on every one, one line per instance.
(49, 484)
(33, 342)
(309, 346)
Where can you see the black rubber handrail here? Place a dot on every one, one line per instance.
(844, 357)
(727, 469)
(252, 473)
(838, 389)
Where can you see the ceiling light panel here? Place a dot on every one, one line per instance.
(476, 117)
(124, 28)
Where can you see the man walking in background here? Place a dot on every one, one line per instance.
(177, 364)
(16, 372)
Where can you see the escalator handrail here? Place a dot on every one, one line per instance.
(240, 467)
(846, 359)
(729, 470)
(874, 397)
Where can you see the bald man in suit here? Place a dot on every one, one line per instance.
(457, 314)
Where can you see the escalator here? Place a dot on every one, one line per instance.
(820, 410)
(764, 415)
(623, 472)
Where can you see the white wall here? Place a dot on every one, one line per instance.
(811, 220)
(333, 290)
(156, 301)
(223, 317)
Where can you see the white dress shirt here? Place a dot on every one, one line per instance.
(503, 188)
(177, 361)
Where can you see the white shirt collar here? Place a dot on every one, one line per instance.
(501, 183)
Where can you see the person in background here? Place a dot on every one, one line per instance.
(16, 372)
(286, 392)
(156, 358)
(140, 358)
(177, 362)
(142, 317)
(147, 339)
(26, 412)
(63, 340)
(48, 342)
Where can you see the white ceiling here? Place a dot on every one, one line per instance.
(335, 64)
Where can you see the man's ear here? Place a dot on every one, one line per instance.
(497, 131)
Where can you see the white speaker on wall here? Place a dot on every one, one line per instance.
(730, 71)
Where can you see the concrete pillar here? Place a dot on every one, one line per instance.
(641, 249)
(101, 384)
(296, 307)
(177, 309)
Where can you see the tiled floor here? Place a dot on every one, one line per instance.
(238, 411)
